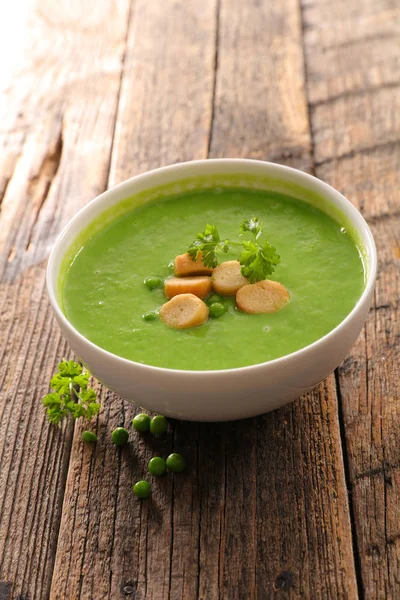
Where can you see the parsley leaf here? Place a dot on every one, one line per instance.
(71, 395)
(206, 245)
(258, 261)
(253, 225)
(258, 258)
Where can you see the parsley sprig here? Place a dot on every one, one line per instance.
(71, 395)
(208, 243)
(258, 258)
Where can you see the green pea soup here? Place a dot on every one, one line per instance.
(102, 293)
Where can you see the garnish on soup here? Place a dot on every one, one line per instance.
(257, 260)
(188, 288)
(103, 295)
(184, 311)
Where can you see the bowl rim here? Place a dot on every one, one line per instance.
(355, 217)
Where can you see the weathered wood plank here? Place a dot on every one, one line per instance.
(166, 97)
(354, 48)
(305, 538)
(263, 508)
(352, 59)
(57, 115)
(283, 504)
(260, 106)
(119, 546)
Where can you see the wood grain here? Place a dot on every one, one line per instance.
(119, 546)
(282, 488)
(167, 89)
(262, 511)
(352, 60)
(260, 103)
(57, 114)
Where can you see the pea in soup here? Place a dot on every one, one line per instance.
(104, 297)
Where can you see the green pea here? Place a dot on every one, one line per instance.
(119, 436)
(142, 489)
(152, 282)
(141, 422)
(216, 309)
(175, 463)
(149, 316)
(89, 436)
(214, 298)
(171, 266)
(158, 425)
(157, 466)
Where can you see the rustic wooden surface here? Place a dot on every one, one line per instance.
(300, 503)
(353, 60)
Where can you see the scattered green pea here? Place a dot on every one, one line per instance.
(157, 466)
(216, 309)
(149, 316)
(142, 489)
(171, 266)
(214, 298)
(141, 422)
(119, 436)
(152, 282)
(175, 463)
(89, 436)
(158, 425)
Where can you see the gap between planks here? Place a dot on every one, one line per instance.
(343, 445)
(58, 154)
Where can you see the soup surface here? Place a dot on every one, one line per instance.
(104, 296)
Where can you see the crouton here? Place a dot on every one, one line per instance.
(183, 311)
(184, 265)
(262, 297)
(227, 278)
(199, 286)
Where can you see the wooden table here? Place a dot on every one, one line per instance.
(299, 503)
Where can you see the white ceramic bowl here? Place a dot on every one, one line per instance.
(233, 393)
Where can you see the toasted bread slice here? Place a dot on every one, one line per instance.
(199, 286)
(262, 297)
(184, 311)
(227, 278)
(184, 265)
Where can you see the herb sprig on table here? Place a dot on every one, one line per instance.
(258, 257)
(71, 394)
